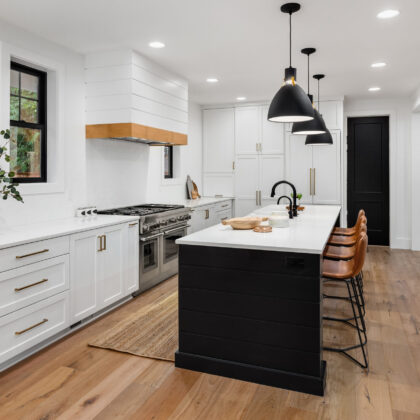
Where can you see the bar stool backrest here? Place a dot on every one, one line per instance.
(360, 254)
(360, 219)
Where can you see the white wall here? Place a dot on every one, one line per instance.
(415, 172)
(121, 173)
(69, 192)
(399, 111)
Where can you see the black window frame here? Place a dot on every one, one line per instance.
(170, 155)
(42, 118)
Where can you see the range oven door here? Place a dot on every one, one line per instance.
(170, 250)
(150, 260)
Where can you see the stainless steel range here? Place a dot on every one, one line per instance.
(160, 226)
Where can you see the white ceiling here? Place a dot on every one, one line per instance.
(244, 43)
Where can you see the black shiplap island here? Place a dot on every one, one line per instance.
(250, 304)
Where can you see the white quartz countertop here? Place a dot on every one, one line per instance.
(307, 233)
(17, 235)
(203, 201)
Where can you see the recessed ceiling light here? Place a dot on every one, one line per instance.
(212, 80)
(374, 89)
(241, 98)
(378, 65)
(156, 44)
(388, 14)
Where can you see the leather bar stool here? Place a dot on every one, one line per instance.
(340, 252)
(346, 272)
(352, 230)
(339, 240)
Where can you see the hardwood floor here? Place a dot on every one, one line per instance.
(70, 380)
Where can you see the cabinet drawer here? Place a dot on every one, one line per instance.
(223, 215)
(29, 326)
(18, 256)
(31, 283)
(224, 205)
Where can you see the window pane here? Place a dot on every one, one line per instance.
(29, 110)
(14, 108)
(25, 152)
(29, 86)
(14, 82)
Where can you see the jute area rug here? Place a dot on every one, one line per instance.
(151, 331)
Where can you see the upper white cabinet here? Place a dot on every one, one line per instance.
(272, 135)
(255, 134)
(218, 140)
(315, 170)
(247, 129)
(332, 112)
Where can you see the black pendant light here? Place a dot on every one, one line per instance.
(319, 139)
(290, 104)
(317, 125)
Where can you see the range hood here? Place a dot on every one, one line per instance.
(130, 98)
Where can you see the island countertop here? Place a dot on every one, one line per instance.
(307, 233)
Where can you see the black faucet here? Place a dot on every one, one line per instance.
(273, 193)
(290, 206)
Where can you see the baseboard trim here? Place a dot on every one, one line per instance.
(258, 374)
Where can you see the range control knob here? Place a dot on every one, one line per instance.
(172, 220)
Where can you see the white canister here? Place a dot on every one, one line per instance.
(279, 219)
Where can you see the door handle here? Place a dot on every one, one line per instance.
(18, 289)
(18, 257)
(100, 243)
(207, 214)
(314, 181)
(31, 327)
(104, 243)
(259, 197)
(256, 197)
(310, 181)
(148, 238)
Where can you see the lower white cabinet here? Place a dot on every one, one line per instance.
(103, 267)
(22, 329)
(205, 216)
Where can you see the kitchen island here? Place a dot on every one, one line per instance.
(250, 304)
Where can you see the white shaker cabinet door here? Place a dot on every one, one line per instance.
(132, 263)
(271, 171)
(327, 173)
(272, 135)
(247, 176)
(218, 140)
(112, 264)
(299, 164)
(84, 249)
(247, 129)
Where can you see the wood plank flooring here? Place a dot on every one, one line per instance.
(70, 380)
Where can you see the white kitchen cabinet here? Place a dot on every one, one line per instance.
(273, 134)
(315, 170)
(98, 267)
(208, 215)
(254, 178)
(84, 299)
(111, 263)
(132, 266)
(247, 129)
(218, 140)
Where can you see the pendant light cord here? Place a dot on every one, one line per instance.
(290, 39)
(319, 110)
(308, 74)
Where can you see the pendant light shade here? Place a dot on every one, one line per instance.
(290, 103)
(319, 139)
(317, 124)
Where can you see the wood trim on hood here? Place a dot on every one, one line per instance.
(135, 131)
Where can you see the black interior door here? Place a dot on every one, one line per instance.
(368, 175)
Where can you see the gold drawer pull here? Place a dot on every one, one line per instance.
(18, 289)
(33, 326)
(18, 257)
(132, 224)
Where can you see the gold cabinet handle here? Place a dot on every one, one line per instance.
(132, 224)
(18, 289)
(314, 181)
(104, 243)
(233, 165)
(18, 257)
(310, 181)
(207, 214)
(31, 327)
(100, 243)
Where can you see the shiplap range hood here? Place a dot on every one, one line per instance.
(130, 98)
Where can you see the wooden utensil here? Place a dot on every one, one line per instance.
(263, 229)
(244, 223)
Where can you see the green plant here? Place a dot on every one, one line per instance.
(298, 196)
(7, 186)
